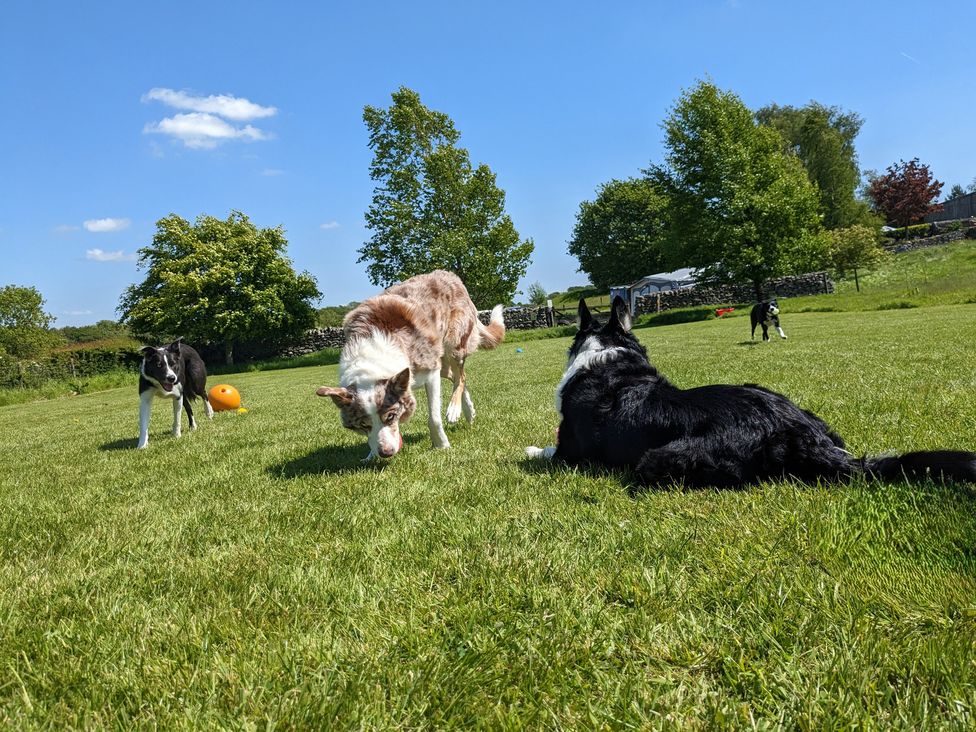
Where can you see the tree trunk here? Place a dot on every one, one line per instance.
(857, 284)
(757, 284)
(229, 352)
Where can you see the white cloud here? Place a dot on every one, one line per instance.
(77, 312)
(65, 228)
(223, 105)
(200, 130)
(97, 255)
(910, 58)
(271, 172)
(329, 225)
(99, 226)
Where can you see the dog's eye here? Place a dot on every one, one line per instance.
(390, 418)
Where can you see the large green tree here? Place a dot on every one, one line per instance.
(25, 329)
(741, 208)
(619, 236)
(823, 139)
(218, 281)
(431, 209)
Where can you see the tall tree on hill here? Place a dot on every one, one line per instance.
(741, 208)
(905, 193)
(431, 209)
(823, 139)
(620, 236)
(218, 281)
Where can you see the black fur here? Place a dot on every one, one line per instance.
(622, 413)
(764, 313)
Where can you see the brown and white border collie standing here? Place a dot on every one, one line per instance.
(412, 334)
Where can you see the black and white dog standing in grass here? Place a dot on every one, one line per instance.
(766, 314)
(618, 411)
(172, 372)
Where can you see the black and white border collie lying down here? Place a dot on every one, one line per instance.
(173, 372)
(618, 411)
(766, 313)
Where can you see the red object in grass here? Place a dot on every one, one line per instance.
(719, 312)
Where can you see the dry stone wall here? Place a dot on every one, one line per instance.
(814, 283)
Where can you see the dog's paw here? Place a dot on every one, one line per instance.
(540, 453)
(142, 446)
(453, 413)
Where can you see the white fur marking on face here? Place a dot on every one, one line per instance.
(368, 360)
(592, 354)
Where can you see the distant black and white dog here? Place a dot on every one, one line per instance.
(173, 372)
(765, 314)
(618, 411)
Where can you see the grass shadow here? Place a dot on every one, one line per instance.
(325, 461)
(126, 443)
(331, 459)
(749, 344)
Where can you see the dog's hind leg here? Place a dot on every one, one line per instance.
(189, 412)
(467, 406)
(432, 384)
(684, 461)
(457, 378)
(207, 407)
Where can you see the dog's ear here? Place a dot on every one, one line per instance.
(147, 351)
(175, 345)
(339, 395)
(584, 315)
(620, 315)
(401, 382)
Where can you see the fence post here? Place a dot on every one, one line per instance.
(550, 315)
(659, 301)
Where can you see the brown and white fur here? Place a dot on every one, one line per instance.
(413, 334)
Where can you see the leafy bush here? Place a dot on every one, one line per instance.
(916, 231)
(70, 364)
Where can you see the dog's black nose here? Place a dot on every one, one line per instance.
(171, 378)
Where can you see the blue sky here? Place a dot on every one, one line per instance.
(555, 97)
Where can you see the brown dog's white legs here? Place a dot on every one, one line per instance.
(457, 377)
(432, 384)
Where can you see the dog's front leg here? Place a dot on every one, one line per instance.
(438, 437)
(540, 453)
(177, 413)
(145, 410)
(778, 329)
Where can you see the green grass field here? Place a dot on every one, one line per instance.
(254, 574)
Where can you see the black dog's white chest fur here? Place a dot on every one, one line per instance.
(172, 372)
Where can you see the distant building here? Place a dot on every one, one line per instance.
(960, 207)
(680, 279)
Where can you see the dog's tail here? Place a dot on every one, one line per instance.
(952, 465)
(493, 333)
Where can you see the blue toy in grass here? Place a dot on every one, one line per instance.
(518, 350)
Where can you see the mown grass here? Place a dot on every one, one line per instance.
(256, 574)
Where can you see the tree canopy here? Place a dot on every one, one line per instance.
(823, 139)
(218, 281)
(620, 235)
(432, 210)
(742, 208)
(905, 193)
(25, 329)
